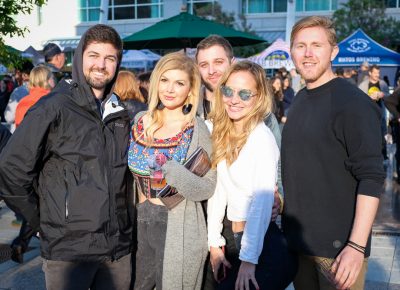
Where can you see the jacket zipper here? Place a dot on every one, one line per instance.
(66, 205)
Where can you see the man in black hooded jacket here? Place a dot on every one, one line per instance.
(65, 171)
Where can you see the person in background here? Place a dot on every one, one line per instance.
(5, 134)
(246, 157)
(171, 243)
(127, 89)
(377, 90)
(65, 170)
(40, 84)
(386, 80)
(362, 73)
(296, 81)
(276, 85)
(339, 72)
(288, 96)
(21, 91)
(332, 167)
(348, 76)
(144, 81)
(392, 103)
(54, 59)
(6, 88)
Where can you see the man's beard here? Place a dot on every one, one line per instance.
(97, 84)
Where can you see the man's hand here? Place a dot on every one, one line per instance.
(276, 209)
(347, 267)
(376, 96)
(246, 274)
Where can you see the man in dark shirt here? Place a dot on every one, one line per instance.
(332, 168)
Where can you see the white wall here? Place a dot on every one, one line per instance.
(59, 18)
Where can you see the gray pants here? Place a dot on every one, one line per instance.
(151, 233)
(62, 275)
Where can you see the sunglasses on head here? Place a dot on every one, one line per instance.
(244, 94)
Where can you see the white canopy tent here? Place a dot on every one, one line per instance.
(139, 59)
(277, 55)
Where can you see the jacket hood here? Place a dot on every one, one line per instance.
(79, 82)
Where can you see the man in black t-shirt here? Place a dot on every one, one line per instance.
(331, 166)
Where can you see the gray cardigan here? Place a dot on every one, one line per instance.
(186, 240)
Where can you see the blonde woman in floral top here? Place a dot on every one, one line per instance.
(172, 244)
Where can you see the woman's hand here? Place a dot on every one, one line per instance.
(217, 257)
(246, 273)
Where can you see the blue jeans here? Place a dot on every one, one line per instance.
(276, 266)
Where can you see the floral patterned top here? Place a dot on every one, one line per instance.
(140, 150)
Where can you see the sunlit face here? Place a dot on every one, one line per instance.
(60, 60)
(277, 85)
(100, 61)
(312, 55)
(286, 83)
(173, 88)
(236, 108)
(212, 63)
(374, 75)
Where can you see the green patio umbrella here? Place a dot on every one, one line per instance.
(185, 30)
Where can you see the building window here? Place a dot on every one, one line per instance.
(89, 10)
(392, 3)
(121, 9)
(263, 6)
(316, 5)
(194, 5)
(135, 9)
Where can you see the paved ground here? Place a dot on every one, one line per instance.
(383, 271)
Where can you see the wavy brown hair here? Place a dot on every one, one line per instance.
(127, 87)
(226, 142)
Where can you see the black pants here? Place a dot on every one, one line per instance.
(276, 266)
(62, 275)
(151, 232)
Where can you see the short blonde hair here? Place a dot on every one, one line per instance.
(226, 143)
(39, 77)
(127, 87)
(172, 61)
(315, 21)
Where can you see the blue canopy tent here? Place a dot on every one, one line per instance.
(359, 47)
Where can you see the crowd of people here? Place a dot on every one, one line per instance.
(99, 167)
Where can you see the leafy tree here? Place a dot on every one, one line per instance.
(9, 27)
(369, 15)
(213, 11)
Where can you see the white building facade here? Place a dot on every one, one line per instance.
(64, 21)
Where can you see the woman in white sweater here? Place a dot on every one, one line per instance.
(246, 157)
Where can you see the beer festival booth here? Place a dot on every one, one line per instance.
(359, 47)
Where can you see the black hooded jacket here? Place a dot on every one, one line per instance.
(65, 170)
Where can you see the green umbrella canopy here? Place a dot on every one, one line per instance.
(185, 30)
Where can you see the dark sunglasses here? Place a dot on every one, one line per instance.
(244, 94)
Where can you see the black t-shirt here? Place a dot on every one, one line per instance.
(331, 151)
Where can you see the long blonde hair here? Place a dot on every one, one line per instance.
(171, 61)
(226, 143)
(127, 87)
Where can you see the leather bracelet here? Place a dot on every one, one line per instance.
(357, 249)
(356, 245)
